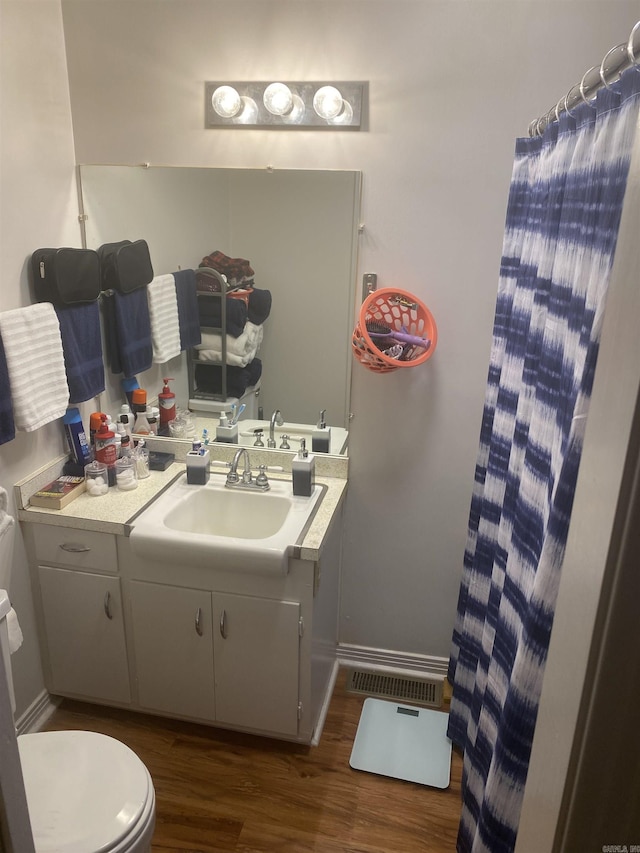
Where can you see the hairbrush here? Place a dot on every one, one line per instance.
(379, 330)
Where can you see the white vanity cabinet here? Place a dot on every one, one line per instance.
(81, 614)
(217, 657)
(244, 650)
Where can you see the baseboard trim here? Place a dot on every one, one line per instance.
(366, 657)
(37, 714)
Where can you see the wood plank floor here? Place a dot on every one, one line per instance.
(225, 792)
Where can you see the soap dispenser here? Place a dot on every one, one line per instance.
(303, 467)
(321, 436)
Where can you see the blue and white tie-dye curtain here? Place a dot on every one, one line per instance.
(563, 214)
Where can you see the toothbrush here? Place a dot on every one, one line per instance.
(235, 417)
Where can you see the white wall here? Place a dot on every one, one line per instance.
(38, 207)
(451, 85)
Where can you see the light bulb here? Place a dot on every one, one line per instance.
(226, 101)
(278, 99)
(328, 102)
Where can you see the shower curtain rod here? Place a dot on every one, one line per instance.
(615, 61)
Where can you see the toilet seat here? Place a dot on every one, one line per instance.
(86, 793)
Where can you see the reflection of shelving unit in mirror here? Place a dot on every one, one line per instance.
(201, 400)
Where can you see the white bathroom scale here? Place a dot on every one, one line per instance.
(404, 742)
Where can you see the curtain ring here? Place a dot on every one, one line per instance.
(635, 61)
(557, 109)
(532, 127)
(603, 75)
(581, 87)
(566, 101)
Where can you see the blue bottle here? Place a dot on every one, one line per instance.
(76, 437)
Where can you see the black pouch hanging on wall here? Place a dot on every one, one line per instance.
(126, 265)
(66, 276)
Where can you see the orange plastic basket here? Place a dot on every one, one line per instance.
(400, 312)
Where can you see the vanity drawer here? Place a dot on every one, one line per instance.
(81, 549)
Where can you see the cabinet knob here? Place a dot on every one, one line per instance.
(223, 624)
(199, 622)
(107, 605)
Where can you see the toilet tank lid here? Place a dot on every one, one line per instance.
(5, 604)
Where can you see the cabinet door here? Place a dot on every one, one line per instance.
(173, 649)
(85, 634)
(256, 643)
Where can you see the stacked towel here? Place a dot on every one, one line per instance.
(240, 350)
(259, 305)
(82, 348)
(188, 318)
(237, 270)
(163, 314)
(35, 363)
(209, 309)
(7, 426)
(128, 331)
(208, 378)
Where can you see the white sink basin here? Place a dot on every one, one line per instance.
(223, 528)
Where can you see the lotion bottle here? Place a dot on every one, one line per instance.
(303, 468)
(321, 436)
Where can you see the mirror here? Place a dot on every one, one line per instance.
(299, 231)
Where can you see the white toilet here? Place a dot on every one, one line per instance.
(86, 792)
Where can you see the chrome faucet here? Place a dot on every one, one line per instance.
(246, 481)
(276, 418)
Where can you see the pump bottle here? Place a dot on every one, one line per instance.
(167, 403)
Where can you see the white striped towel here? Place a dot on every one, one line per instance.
(240, 350)
(6, 520)
(35, 363)
(163, 313)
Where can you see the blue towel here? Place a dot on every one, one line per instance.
(128, 331)
(208, 378)
(209, 311)
(188, 318)
(7, 426)
(82, 348)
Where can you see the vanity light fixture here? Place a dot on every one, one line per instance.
(278, 105)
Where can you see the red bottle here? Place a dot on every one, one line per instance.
(105, 444)
(167, 405)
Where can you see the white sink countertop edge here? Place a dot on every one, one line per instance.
(112, 513)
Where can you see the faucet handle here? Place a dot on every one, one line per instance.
(262, 479)
(284, 445)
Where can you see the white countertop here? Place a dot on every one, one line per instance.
(115, 511)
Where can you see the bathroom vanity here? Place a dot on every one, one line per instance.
(236, 649)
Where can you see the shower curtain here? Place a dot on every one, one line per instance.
(563, 214)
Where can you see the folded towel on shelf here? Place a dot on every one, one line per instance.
(82, 348)
(240, 350)
(128, 331)
(259, 305)
(35, 363)
(7, 425)
(209, 310)
(163, 314)
(237, 270)
(188, 318)
(208, 378)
